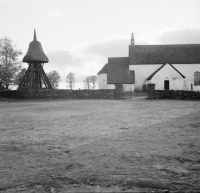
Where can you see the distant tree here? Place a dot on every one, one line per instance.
(70, 80)
(93, 80)
(54, 78)
(90, 80)
(9, 63)
(19, 76)
(86, 82)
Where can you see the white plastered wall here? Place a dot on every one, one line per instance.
(102, 82)
(143, 71)
(111, 86)
(188, 71)
(128, 87)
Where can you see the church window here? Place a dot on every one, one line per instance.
(196, 78)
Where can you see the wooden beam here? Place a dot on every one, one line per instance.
(24, 79)
(45, 77)
(34, 76)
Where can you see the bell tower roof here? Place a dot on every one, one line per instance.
(35, 52)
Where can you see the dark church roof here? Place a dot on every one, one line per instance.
(151, 76)
(118, 71)
(103, 70)
(162, 54)
(35, 52)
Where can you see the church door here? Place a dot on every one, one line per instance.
(166, 84)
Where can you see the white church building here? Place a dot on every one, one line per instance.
(169, 67)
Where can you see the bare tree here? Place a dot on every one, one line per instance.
(54, 78)
(93, 80)
(70, 80)
(9, 63)
(90, 80)
(86, 82)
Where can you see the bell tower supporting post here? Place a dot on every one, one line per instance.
(34, 77)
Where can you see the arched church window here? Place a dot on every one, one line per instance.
(196, 78)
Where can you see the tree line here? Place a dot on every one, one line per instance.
(11, 71)
(9, 63)
(88, 83)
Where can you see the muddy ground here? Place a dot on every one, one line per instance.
(133, 145)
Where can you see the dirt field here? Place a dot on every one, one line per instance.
(133, 145)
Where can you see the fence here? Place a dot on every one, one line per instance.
(58, 94)
(171, 94)
(177, 94)
(69, 94)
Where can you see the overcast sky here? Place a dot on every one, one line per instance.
(79, 35)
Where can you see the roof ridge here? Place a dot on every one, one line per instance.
(165, 44)
(118, 57)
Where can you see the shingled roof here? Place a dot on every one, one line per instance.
(35, 52)
(151, 76)
(103, 70)
(162, 54)
(118, 71)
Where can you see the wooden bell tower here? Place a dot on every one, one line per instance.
(35, 76)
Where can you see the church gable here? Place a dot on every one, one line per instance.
(159, 69)
(167, 74)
